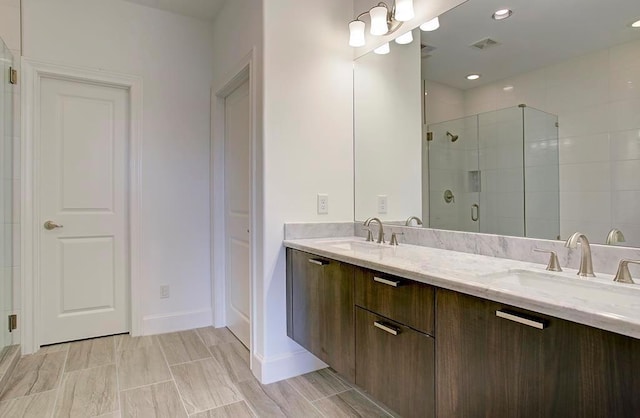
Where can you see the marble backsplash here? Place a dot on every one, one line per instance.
(605, 257)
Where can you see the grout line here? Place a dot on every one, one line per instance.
(61, 379)
(115, 359)
(90, 368)
(335, 394)
(173, 378)
(147, 385)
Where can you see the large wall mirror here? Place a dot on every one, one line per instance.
(523, 126)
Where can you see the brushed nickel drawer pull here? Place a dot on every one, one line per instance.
(318, 262)
(393, 283)
(521, 320)
(387, 328)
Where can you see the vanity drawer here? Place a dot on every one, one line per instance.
(405, 301)
(395, 364)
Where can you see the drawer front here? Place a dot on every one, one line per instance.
(395, 364)
(404, 301)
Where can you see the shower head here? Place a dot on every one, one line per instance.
(453, 137)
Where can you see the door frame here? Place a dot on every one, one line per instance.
(33, 71)
(244, 70)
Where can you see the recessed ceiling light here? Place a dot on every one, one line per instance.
(636, 24)
(473, 76)
(502, 14)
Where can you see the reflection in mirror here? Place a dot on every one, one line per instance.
(568, 160)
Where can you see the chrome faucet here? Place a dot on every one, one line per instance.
(413, 218)
(586, 266)
(615, 236)
(380, 229)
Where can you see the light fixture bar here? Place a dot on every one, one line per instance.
(384, 20)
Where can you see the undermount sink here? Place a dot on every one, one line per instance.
(555, 285)
(361, 246)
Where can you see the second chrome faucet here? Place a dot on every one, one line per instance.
(586, 265)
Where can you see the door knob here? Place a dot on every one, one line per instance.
(50, 225)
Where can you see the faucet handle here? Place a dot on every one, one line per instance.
(623, 275)
(369, 234)
(394, 238)
(554, 264)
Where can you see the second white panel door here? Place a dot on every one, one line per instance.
(237, 169)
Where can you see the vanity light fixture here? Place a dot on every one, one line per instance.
(508, 88)
(431, 25)
(502, 14)
(382, 49)
(384, 20)
(405, 39)
(473, 76)
(636, 24)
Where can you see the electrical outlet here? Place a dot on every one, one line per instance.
(383, 204)
(164, 292)
(323, 204)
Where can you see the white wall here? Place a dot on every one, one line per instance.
(388, 128)
(172, 54)
(597, 100)
(308, 146)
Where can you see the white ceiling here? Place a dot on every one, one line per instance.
(201, 9)
(540, 33)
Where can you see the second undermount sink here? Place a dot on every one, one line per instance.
(554, 285)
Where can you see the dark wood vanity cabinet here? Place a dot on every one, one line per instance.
(320, 309)
(432, 352)
(488, 366)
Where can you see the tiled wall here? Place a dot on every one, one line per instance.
(597, 100)
(10, 32)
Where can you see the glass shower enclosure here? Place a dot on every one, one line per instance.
(7, 97)
(496, 172)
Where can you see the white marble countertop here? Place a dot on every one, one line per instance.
(597, 302)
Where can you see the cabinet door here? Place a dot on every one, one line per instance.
(592, 372)
(395, 364)
(495, 367)
(305, 308)
(320, 310)
(337, 318)
(486, 366)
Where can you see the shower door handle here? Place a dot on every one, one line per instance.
(475, 212)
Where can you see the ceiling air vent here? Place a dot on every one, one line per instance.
(426, 50)
(485, 43)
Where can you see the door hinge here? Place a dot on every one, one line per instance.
(429, 136)
(13, 76)
(13, 322)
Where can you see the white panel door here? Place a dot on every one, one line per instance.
(237, 211)
(84, 266)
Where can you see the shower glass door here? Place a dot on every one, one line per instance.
(500, 141)
(6, 170)
(454, 176)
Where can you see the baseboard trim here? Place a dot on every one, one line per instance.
(176, 321)
(284, 367)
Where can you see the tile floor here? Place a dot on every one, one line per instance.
(198, 373)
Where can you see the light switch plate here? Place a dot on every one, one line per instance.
(164, 292)
(323, 204)
(383, 204)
